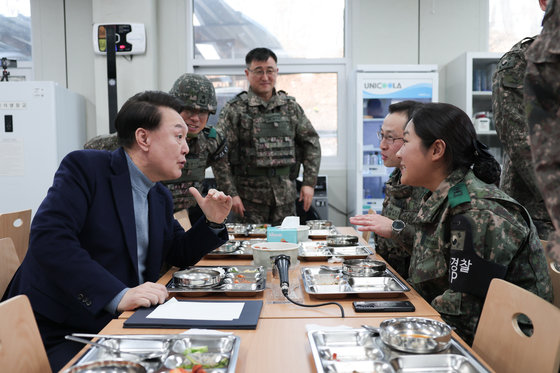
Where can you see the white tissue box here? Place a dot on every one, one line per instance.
(294, 235)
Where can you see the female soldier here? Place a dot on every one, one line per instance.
(469, 231)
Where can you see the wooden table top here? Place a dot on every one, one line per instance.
(276, 306)
(280, 341)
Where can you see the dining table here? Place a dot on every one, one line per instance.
(280, 341)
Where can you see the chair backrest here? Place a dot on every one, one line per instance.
(182, 217)
(554, 272)
(500, 342)
(367, 234)
(16, 226)
(21, 347)
(9, 262)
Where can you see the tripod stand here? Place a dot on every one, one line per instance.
(5, 73)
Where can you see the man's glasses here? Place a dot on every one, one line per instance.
(200, 113)
(389, 139)
(261, 72)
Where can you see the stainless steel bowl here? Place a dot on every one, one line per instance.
(228, 247)
(198, 277)
(342, 240)
(363, 267)
(415, 334)
(319, 224)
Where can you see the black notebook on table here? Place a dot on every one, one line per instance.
(247, 320)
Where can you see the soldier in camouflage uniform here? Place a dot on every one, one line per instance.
(401, 202)
(103, 142)
(266, 132)
(518, 176)
(542, 99)
(206, 146)
(468, 230)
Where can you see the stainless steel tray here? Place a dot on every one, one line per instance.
(319, 251)
(328, 285)
(359, 350)
(235, 249)
(322, 233)
(247, 230)
(172, 347)
(238, 281)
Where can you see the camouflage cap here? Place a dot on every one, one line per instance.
(196, 92)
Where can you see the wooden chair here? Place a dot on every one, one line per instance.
(367, 234)
(9, 262)
(16, 226)
(500, 342)
(182, 217)
(554, 272)
(21, 347)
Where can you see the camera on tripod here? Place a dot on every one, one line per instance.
(6, 62)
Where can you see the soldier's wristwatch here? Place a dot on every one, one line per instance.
(397, 226)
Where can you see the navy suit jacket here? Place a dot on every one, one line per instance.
(83, 251)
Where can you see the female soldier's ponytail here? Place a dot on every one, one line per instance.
(485, 166)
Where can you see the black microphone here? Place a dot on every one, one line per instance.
(282, 262)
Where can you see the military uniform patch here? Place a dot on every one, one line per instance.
(458, 195)
(468, 272)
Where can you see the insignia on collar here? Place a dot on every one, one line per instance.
(458, 195)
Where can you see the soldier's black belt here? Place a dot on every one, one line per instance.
(262, 171)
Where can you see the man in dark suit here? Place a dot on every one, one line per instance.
(106, 226)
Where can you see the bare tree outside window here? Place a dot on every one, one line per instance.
(511, 21)
(15, 30)
(305, 31)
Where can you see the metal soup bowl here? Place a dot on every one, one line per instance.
(228, 247)
(415, 334)
(198, 277)
(363, 267)
(342, 240)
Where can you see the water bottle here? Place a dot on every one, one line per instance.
(379, 158)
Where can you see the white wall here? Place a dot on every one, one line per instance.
(380, 32)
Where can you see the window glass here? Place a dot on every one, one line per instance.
(511, 21)
(228, 29)
(15, 30)
(316, 93)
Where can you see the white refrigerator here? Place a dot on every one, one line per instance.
(377, 87)
(40, 123)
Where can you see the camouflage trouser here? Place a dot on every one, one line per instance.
(256, 213)
(542, 101)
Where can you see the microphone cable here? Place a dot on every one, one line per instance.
(285, 292)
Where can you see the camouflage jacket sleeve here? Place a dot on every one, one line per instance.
(406, 238)
(217, 147)
(225, 128)
(307, 140)
(509, 112)
(218, 160)
(497, 239)
(497, 233)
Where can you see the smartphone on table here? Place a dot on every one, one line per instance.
(383, 306)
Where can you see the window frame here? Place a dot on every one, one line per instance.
(339, 66)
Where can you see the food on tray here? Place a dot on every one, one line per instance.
(199, 356)
(195, 369)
